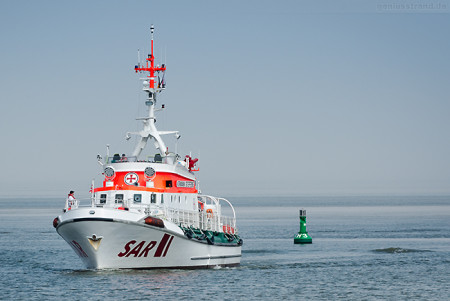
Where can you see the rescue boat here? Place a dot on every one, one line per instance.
(149, 212)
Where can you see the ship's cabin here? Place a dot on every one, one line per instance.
(130, 198)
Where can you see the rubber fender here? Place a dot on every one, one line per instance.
(55, 222)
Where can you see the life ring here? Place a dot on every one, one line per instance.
(209, 213)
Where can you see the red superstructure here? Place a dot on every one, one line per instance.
(162, 182)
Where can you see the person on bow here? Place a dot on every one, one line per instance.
(71, 200)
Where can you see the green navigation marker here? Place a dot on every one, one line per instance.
(302, 237)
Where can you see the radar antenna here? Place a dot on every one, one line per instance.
(149, 130)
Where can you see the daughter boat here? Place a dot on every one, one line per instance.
(148, 212)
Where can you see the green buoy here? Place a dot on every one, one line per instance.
(302, 237)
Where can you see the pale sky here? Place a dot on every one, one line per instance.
(274, 97)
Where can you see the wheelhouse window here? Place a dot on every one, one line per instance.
(162, 198)
(119, 198)
(137, 198)
(103, 199)
(153, 198)
(168, 183)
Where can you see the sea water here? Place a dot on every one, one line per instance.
(364, 248)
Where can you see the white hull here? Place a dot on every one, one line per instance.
(105, 242)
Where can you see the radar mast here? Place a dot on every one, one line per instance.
(152, 85)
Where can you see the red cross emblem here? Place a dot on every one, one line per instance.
(131, 178)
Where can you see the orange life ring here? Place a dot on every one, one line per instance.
(209, 213)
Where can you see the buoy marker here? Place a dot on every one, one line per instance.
(302, 237)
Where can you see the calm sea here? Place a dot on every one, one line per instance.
(364, 248)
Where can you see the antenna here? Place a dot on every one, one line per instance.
(152, 30)
(150, 67)
(139, 58)
(150, 80)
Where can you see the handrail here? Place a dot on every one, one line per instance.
(206, 197)
(75, 203)
(232, 208)
(201, 219)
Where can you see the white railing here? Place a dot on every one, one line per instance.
(210, 218)
(184, 218)
(72, 204)
(200, 220)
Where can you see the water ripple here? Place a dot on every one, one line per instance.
(397, 250)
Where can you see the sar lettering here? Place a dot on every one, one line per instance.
(136, 251)
(127, 248)
(143, 248)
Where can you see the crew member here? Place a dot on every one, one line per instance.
(71, 200)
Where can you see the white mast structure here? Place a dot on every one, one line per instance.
(149, 129)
